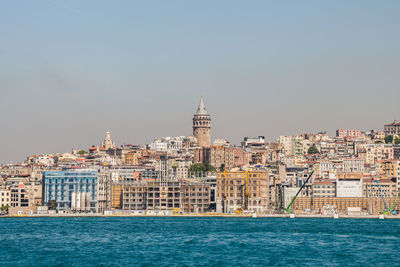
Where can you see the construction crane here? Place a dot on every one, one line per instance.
(245, 204)
(245, 194)
(391, 211)
(382, 196)
(224, 193)
(288, 210)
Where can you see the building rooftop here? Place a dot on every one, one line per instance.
(395, 123)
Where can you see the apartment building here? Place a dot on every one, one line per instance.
(386, 188)
(348, 133)
(5, 197)
(392, 128)
(353, 165)
(19, 196)
(218, 156)
(131, 157)
(378, 152)
(324, 188)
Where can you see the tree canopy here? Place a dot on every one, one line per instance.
(389, 139)
(313, 150)
(82, 152)
(397, 140)
(4, 208)
(202, 167)
(52, 205)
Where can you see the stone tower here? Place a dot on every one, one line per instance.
(108, 143)
(202, 125)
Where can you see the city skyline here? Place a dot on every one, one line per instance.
(215, 133)
(200, 106)
(137, 70)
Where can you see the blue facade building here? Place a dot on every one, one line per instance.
(74, 190)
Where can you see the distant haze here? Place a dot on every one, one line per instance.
(72, 70)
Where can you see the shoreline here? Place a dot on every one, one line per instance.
(300, 216)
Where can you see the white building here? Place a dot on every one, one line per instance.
(80, 201)
(326, 169)
(169, 144)
(43, 160)
(349, 188)
(158, 145)
(254, 141)
(353, 165)
(287, 145)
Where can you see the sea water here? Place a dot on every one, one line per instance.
(192, 241)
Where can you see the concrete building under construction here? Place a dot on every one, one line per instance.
(183, 197)
(234, 189)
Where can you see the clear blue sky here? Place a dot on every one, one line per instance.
(71, 70)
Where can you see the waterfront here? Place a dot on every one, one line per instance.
(194, 241)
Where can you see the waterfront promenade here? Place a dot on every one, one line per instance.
(67, 215)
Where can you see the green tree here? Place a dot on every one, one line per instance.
(197, 167)
(4, 208)
(201, 167)
(397, 140)
(389, 139)
(209, 168)
(52, 205)
(313, 150)
(82, 152)
(222, 168)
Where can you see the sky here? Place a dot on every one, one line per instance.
(72, 70)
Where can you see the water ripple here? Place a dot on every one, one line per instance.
(198, 242)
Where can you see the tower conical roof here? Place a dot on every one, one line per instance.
(201, 110)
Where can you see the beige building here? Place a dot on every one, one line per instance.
(324, 188)
(131, 157)
(180, 168)
(392, 128)
(222, 157)
(104, 191)
(387, 188)
(342, 204)
(5, 197)
(377, 152)
(22, 211)
(16, 170)
(24, 195)
(34, 192)
(231, 191)
(187, 197)
(19, 196)
(229, 157)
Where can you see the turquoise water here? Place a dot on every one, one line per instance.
(198, 242)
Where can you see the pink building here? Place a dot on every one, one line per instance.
(348, 133)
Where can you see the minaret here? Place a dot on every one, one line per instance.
(202, 125)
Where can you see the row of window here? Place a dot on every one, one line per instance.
(71, 180)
